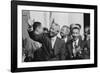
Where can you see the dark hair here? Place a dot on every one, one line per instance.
(45, 29)
(35, 25)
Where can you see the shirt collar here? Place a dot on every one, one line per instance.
(65, 39)
(77, 41)
(54, 38)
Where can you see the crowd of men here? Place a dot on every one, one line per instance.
(45, 45)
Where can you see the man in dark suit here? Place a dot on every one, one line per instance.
(64, 33)
(75, 44)
(43, 53)
(57, 44)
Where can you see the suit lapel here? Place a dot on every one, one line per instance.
(71, 46)
(56, 45)
(50, 45)
(79, 42)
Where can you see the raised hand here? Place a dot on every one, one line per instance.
(30, 24)
(37, 45)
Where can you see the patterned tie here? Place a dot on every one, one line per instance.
(74, 49)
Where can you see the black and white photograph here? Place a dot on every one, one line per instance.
(50, 36)
(55, 36)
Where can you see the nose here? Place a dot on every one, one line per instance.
(74, 34)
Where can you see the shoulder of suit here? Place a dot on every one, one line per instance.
(62, 41)
(69, 41)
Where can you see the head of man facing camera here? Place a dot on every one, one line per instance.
(75, 31)
(64, 32)
(54, 30)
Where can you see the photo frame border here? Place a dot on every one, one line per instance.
(14, 5)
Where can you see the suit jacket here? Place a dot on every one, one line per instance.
(69, 47)
(66, 49)
(58, 52)
(43, 53)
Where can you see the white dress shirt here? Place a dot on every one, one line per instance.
(65, 39)
(75, 42)
(74, 49)
(53, 40)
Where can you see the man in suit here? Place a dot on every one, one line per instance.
(43, 53)
(57, 44)
(64, 33)
(75, 44)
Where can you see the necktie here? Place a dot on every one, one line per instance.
(74, 49)
(75, 44)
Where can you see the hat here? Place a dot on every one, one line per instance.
(75, 26)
